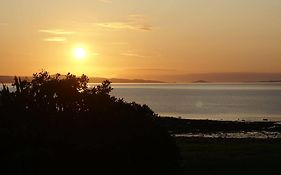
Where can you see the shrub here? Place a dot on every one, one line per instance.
(58, 125)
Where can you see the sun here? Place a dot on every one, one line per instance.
(79, 53)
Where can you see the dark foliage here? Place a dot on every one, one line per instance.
(58, 125)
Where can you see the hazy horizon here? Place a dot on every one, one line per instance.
(211, 77)
(172, 40)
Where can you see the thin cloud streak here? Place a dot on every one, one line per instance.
(56, 35)
(133, 54)
(57, 32)
(55, 39)
(125, 25)
(135, 22)
(119, 43)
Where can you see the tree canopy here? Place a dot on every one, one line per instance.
(58, 124)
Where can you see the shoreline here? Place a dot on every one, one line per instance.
(259, 119)
(189, 128)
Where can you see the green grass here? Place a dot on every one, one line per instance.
(230, 156)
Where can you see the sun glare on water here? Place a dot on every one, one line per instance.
(79, 53)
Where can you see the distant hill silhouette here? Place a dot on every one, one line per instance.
(221, 77)
(183, 78)
(120, 80)
(200, 81)
(10, 79)
(270, 81)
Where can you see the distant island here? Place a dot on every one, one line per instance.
(121, 80)
(10, 79)
(200, 81)
(270, 81)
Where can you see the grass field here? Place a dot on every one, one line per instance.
(230, 156)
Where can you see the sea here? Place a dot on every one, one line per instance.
(212, 101)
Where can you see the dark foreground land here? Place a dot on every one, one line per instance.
(223, 155)
(58, 125)
(230, 156)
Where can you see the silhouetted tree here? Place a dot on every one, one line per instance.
(58, 125)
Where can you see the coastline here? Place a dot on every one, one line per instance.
(190, 128)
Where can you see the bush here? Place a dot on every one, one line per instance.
(57, 124)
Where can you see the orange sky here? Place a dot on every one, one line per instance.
(140, 39)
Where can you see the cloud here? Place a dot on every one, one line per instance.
(57, 32)
(124, 25)
(138, 17)
(152, 69)
(56, 35)
(134, 22)
(119, 43)
(55, 39)
(133, 54)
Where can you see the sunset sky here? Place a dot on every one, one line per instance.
(149, 39)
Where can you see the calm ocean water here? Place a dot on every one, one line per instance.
(251, 101)
(247, 101)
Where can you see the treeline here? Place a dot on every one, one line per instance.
(58, 125)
